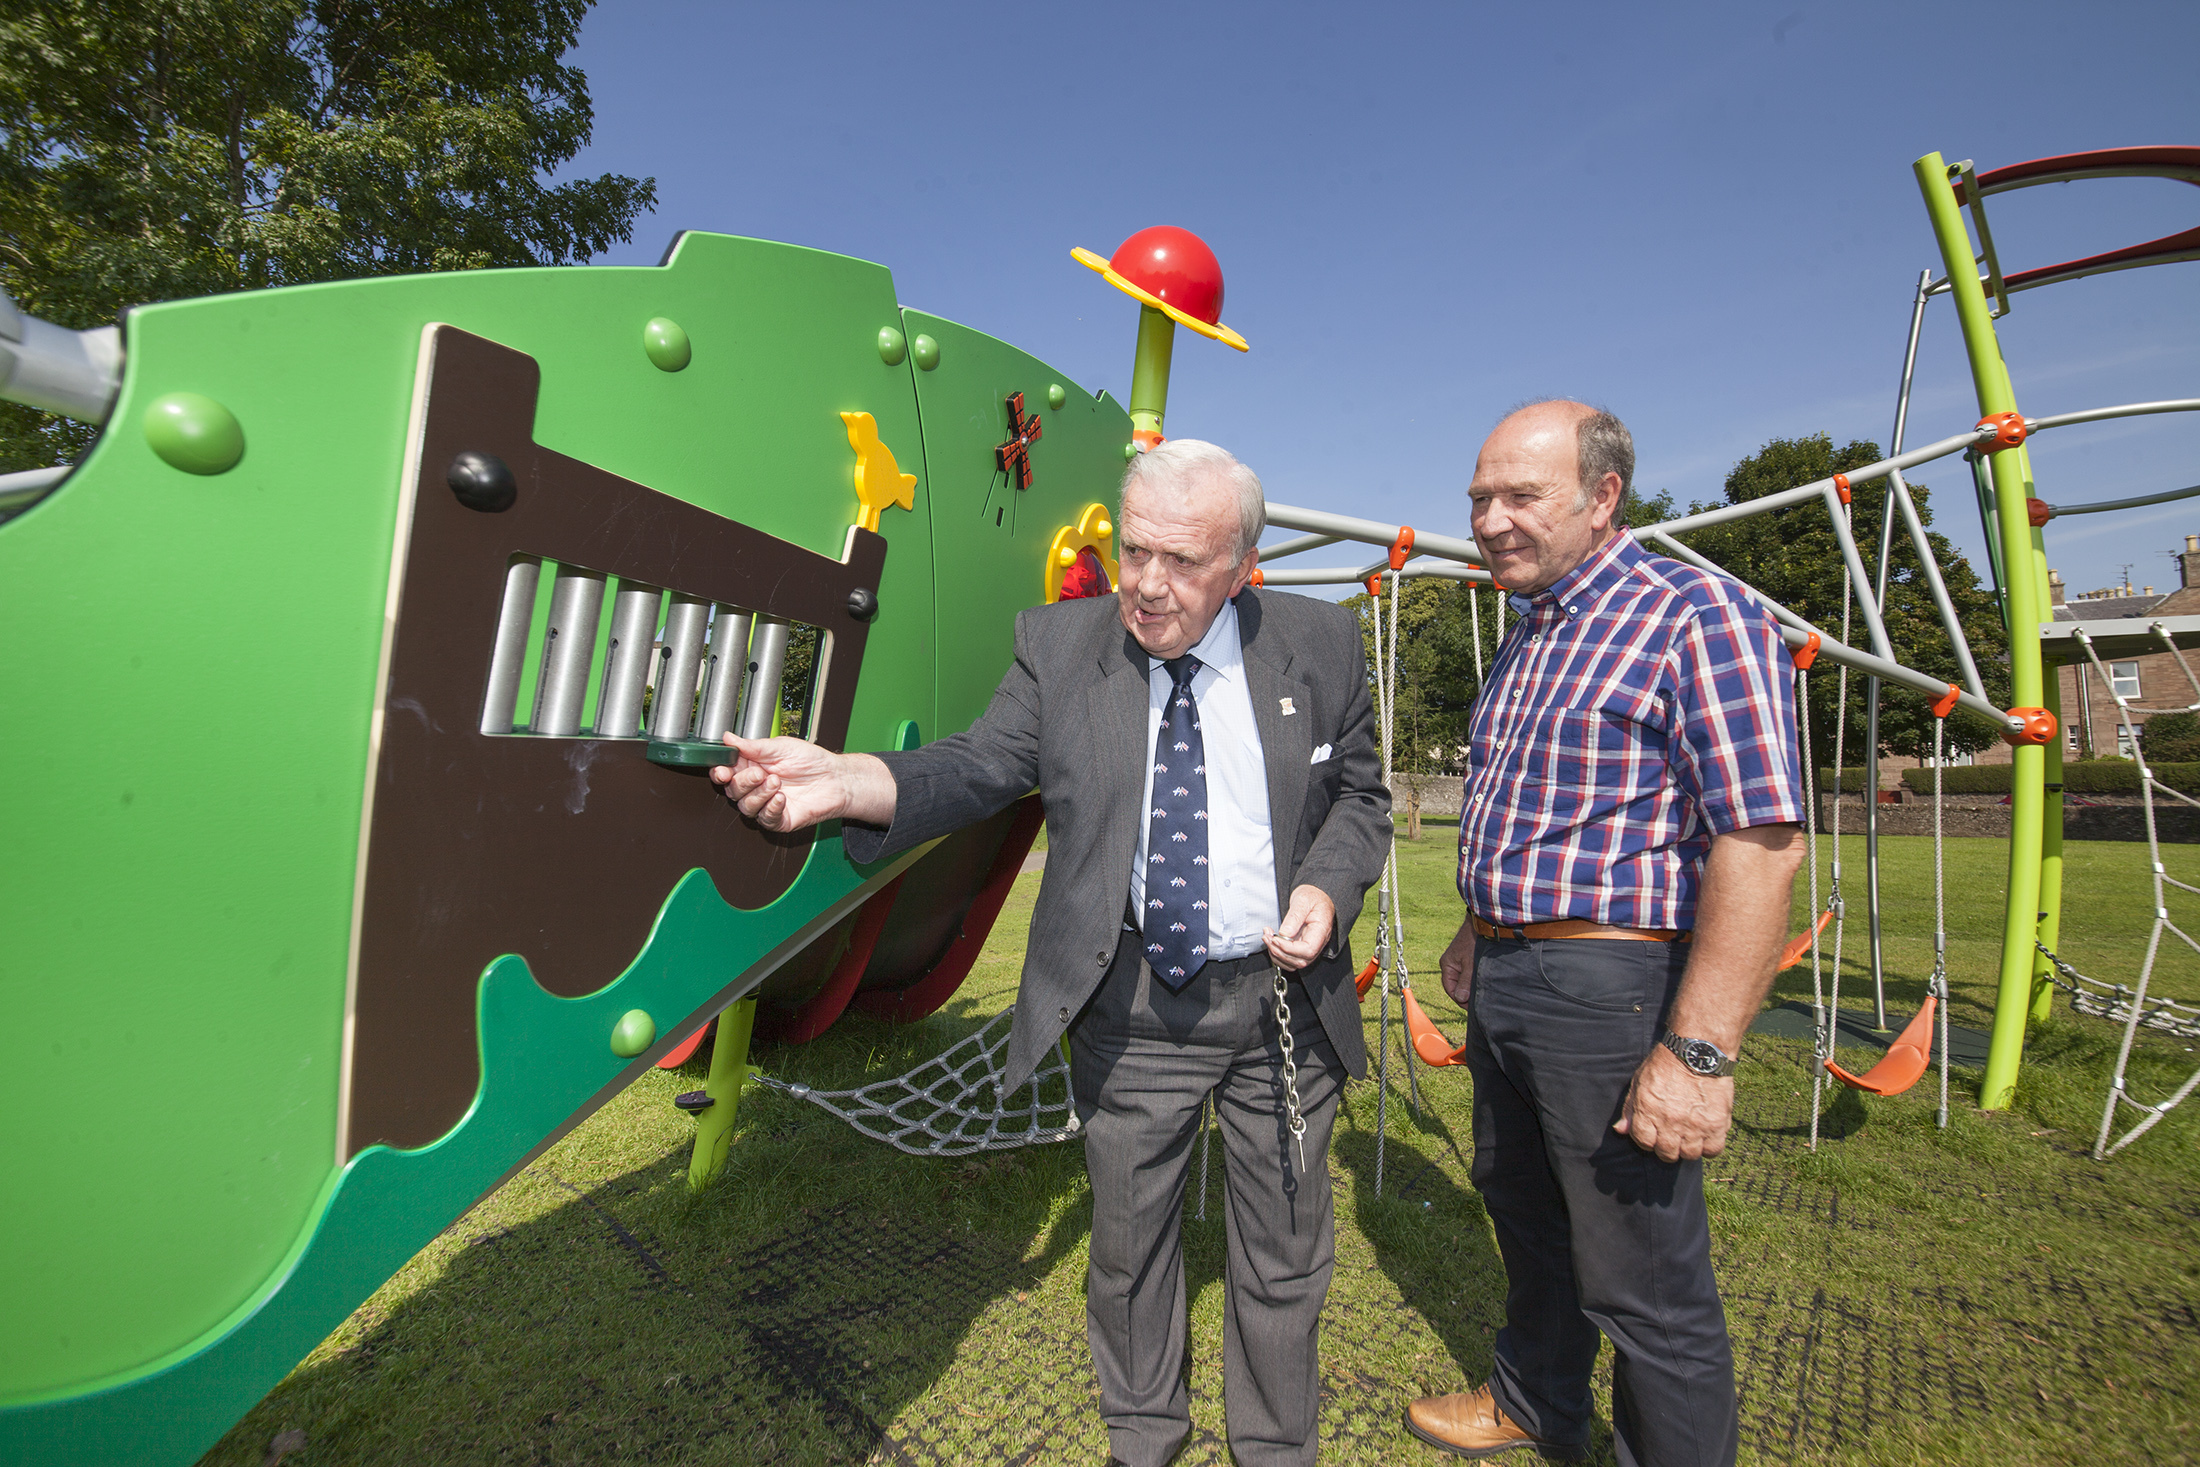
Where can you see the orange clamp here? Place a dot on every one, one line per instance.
(1806, 654)
(1947, 703)
(1259, 577)
(2039, 727)
(1401, 547)
(2009, 430)
(2039, 512)
(1375, 584)
(1841, 487)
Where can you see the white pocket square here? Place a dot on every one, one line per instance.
(1321, 753)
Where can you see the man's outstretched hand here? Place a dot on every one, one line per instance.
(1674, 1112)
(786, 784)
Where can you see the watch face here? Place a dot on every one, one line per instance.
(1701, 1056)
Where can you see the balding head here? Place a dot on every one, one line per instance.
(1547, 486)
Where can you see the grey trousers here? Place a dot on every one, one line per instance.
(1596, 1233)
(1142, 1060)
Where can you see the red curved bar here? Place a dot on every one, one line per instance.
(2178, 163)
(816, 1013)
(906, 1005)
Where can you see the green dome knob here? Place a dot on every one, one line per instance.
(892, 346)
(667, 344)
(928, 353)
(635, 1032)
(193, 433)
(1130, 451)
(1056, 396)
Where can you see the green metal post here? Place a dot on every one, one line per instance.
(2051, 853)
(1150, 373)
(729, 1071)
(2021, 595)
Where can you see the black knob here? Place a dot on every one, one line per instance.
(482, 481)
(863, 603)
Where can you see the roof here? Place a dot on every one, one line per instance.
(2107, 608)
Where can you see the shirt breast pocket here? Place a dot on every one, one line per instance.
(1586, 749)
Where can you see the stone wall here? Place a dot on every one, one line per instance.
(1440, 794)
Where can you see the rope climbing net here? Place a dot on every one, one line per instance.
(2133, 1006)
(952, 1105)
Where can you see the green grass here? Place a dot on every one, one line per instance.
(1980, 1294)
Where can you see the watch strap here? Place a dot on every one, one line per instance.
(1679, 1045)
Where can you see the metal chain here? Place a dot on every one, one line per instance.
(1293, 1121)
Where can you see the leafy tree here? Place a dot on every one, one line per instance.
(2171, 738)
(1792, 556)
(152, 149)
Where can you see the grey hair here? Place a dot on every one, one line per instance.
(1602, 445)
(1180, 462)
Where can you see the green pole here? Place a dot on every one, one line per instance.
(2051, 854)
(1150, 374)
(729, 1071)
(2021, 597)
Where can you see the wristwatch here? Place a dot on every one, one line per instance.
(1700, 1055)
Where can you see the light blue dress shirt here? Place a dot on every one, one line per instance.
(1241, 851)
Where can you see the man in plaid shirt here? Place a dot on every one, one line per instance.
(1631, 777)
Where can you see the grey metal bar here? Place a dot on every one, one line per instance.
(1309, 575)
(568, 650)
(1802, 492)
(2135, 502)
(1779, 612)
(1293, 547)
(723, 668)
(74, 373)
(626, 660)
(1372, 532)
(1987, 255)
(509, 654)
(1965, 666)
(672, 706)
(1895, 672)
(20, 489)
(1867, 602)
(2127, 410)
(767, 664)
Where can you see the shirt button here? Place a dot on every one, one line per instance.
(1101, 957)
(1536, 638)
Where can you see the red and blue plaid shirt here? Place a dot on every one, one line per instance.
(1638, 708)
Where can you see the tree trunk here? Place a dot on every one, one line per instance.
(1413, 808)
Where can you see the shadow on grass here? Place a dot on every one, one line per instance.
(789, 1314)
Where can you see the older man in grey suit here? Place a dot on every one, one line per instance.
(1215, 814)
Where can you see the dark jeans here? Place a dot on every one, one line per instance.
(1596, 1233)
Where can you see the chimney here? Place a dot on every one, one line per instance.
(2146, 590)
(2188, 562)
(2055, 581)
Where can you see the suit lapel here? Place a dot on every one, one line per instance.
(1119, 703)
(1286, 739)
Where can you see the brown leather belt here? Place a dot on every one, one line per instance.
(1578, 927)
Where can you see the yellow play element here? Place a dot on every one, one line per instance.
(1093, 528)
(879, 480)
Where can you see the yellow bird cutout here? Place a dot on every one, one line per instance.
(879, 480)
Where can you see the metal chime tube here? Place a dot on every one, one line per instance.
(514, 617)
(673, 708)
(729, 658)
(767, 660)
(626, 661)
(568, 648)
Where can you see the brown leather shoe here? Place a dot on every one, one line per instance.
(1470, 1425)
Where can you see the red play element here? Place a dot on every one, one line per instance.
(2008, 431)
(907, 1005)
(1401, 547)
(1014, 456)
(2179, 163)
(2039, 512)
(1908, 1057)
(1947, 703)
(1841, 487)
(2039, 727)
(815, 1014)
(1176, 266)
(1088, 577)
(1806, 654)
(1366, 978)
(1799, 944)
(1428, 1043)
(685, 1049)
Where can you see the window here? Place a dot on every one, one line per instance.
(2123, 679)
(2124, 749)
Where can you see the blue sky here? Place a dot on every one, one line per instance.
(1702, 216)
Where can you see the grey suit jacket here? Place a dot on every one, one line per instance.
(1069, 719)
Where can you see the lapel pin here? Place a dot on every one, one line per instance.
(1288, 710)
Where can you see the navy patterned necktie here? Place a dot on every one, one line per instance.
(1176, 837)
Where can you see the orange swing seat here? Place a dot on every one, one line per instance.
(1906, 1059)
(1428, 1042)
(1799, 944)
